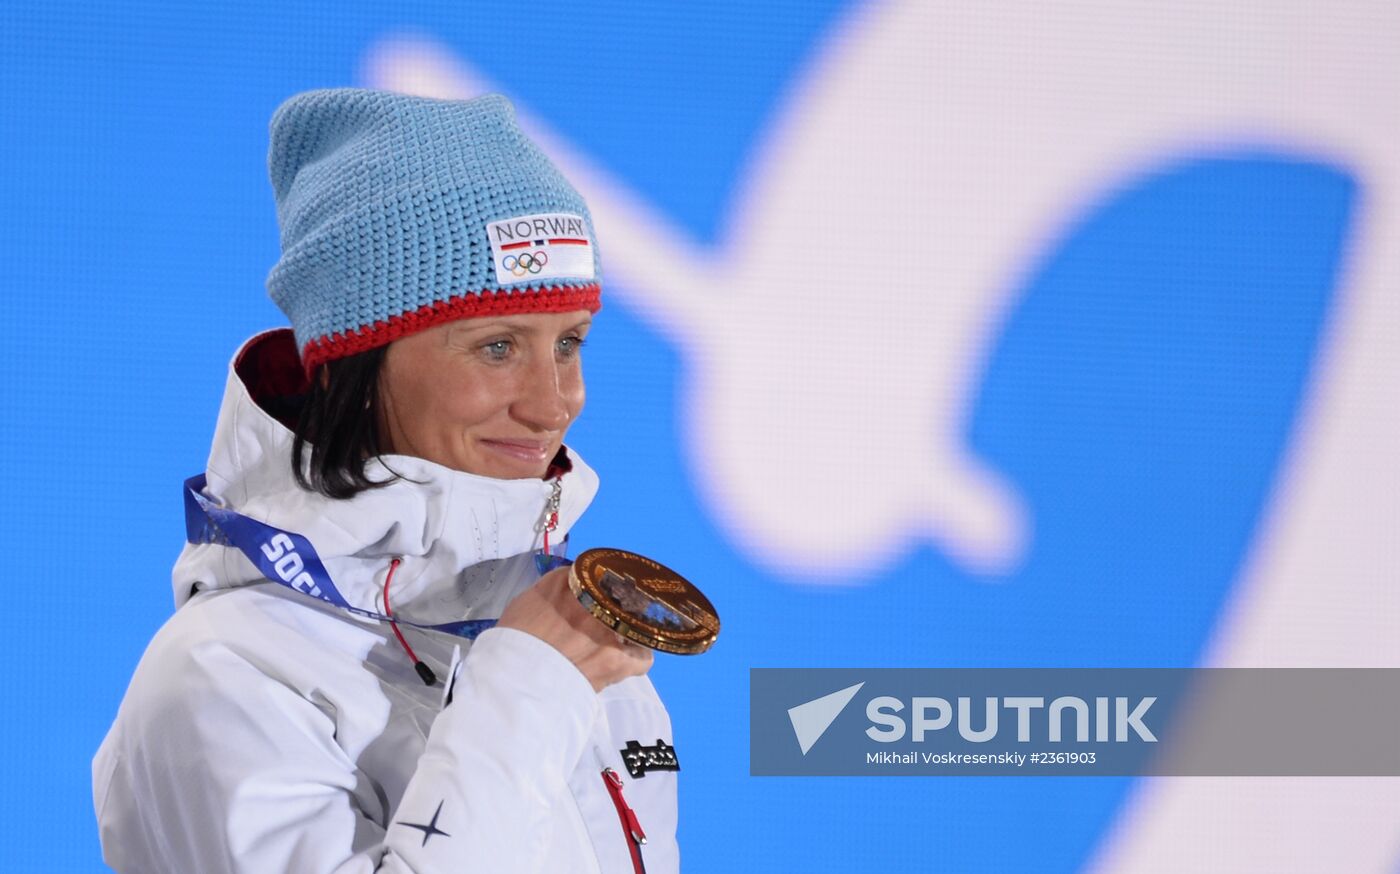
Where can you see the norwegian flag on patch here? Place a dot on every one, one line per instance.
(531, 248)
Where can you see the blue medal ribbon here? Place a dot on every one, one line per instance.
(289, 559)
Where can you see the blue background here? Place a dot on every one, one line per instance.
(1140, 396)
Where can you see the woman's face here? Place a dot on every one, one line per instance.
(490, 396)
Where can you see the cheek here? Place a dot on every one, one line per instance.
(439, 397)
(473, 398)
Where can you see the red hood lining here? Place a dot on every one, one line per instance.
(270, 369)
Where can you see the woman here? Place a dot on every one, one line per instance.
(386, 478)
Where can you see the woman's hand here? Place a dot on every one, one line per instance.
(549, 611)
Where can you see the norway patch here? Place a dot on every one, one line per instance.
(640, 759)
(532, 248)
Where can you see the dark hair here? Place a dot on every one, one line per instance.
(339, 422)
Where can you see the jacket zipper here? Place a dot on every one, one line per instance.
(631, 828)
(551, 510)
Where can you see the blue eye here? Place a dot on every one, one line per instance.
(497, 350)
(569, 346)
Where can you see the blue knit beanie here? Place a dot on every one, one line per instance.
(399, 213)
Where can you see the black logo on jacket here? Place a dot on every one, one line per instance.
(428, 829)
(640, 759)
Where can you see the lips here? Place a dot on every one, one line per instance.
(529, 451)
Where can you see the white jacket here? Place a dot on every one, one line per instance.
(266, 731)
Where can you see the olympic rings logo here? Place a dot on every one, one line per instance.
(530, 262)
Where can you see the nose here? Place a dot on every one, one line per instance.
(543, 401)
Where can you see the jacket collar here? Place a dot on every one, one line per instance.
(440, 521)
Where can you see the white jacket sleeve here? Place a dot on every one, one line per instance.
(248, 777)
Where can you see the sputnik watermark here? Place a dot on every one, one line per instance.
(888, 726)
(1075, 721)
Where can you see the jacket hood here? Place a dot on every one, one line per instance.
(450, 528)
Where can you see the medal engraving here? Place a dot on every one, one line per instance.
(644, 601)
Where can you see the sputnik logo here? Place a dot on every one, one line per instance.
(811, 720)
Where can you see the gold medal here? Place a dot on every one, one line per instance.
(644, 601)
